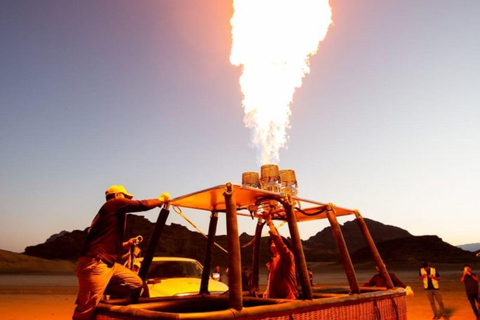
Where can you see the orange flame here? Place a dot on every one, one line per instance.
(273, 41)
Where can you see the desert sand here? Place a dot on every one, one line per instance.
(52, 297)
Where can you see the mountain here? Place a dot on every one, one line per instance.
(176, 240)
(474, 247)
(396, 245)
(65, 247)
(11, 262)
(414, 250)
(56, 235)
(322, 247)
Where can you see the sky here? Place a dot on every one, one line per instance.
(143, 94)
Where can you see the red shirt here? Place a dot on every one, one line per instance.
(105, 237)
(282, 282)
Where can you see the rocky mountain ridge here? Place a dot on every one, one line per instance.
(396, 245)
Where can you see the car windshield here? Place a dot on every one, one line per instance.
(174, 269)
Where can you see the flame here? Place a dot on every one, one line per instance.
(273, 41)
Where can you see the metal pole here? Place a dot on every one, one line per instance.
(298, 248)
(132, 256)
(373, 249)
(152, 246)
(342, 249)
(212, 230)
(153, 242)
(254, 286)
(233, 244)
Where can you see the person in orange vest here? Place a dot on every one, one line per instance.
(431, 278)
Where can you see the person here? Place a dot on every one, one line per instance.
(431, 278)
(379, 281)
(471, 288)
(217, 274)
(310, 275)
(282, 282)
(245, 279)
(97, 269)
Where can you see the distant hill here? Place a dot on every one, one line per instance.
(65, 246)
(176, 240)
(396, 245)
(474, 247)
(11, 262)
(414, 250)
(321, 246)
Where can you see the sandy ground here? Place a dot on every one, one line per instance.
(52, 297)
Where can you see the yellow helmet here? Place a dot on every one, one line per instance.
(118, 189)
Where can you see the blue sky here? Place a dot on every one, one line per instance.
(142, 93)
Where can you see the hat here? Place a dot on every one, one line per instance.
(118, 189)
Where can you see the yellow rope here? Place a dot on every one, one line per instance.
(179, 211)
(277, 227)
(263, 235)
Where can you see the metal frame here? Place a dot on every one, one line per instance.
(228, 202)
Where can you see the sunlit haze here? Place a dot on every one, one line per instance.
(146, 94)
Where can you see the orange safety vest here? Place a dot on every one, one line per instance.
(425, 280)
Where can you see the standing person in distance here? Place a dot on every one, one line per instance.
(310, 275)
(431, 278)
(97, 268)
(217, 274)
(471, 288)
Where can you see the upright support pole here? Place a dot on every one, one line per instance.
(233, 244)
(373, 249)
(153, 242)
(342, 249)
(298, 248)
(207, 264)
(254, 286)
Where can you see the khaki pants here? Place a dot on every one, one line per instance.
(433, 295)
(93, 278)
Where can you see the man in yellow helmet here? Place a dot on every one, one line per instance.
(97, 268)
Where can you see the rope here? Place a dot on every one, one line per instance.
(322, 210)
(263, 235)
(378, 314)
(395, 308)
(181, 214)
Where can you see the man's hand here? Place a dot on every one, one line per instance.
(131, 242)
(268, 219)
(164, 197)
(271, 226)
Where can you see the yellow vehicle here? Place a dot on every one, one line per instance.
(173, 276)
